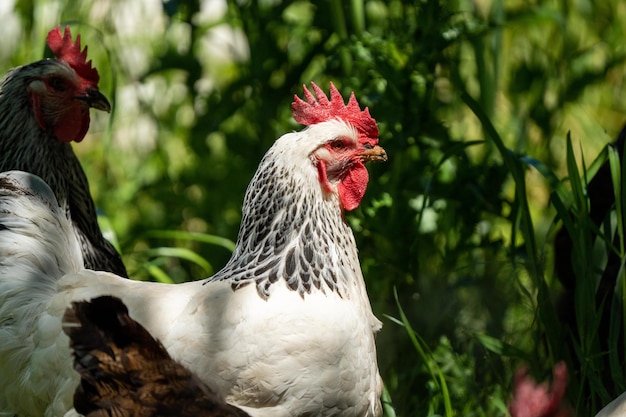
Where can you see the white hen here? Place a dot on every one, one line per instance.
(284, 329)
(616, 408)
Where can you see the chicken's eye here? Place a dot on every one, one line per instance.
(337, 145)
(57, 84)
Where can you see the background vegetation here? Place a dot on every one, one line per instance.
(474, 100)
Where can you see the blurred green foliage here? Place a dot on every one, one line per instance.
(456, 223)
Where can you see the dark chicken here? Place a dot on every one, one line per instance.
(44, 106)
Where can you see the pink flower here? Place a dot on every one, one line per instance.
(540, 400)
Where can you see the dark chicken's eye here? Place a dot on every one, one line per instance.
(57, 83)
(337, 145)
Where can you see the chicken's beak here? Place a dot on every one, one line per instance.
(95, 99)
(377, 154)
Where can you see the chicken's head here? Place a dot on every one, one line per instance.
(63, 90)
(340, 158)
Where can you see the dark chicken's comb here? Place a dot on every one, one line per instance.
(318, 108)
(65, 50)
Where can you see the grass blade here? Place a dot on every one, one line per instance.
(181, 253)
(425, 354)
(193, 236)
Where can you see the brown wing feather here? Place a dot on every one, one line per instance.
(126, 372)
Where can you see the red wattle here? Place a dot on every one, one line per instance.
(352, 188)
(73, 125)
(322, 176)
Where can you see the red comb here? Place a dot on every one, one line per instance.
(65, 50)
(318, 108)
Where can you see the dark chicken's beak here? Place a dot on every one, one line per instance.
(376, 154)
(95, 99)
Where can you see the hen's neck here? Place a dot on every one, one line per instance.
(292, 231)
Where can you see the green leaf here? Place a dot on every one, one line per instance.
(181, 253)
(499, 347)
(194, 236)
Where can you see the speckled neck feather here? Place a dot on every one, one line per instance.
(288, 233)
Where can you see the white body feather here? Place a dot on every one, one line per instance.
(616, 408)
